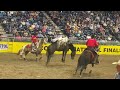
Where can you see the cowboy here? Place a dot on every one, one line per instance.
(117, 75)
(34, 40)
(61, 39)
(92, 44)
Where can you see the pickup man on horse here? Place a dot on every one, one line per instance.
(92, 44)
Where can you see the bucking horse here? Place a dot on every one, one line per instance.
(28, 49)
(64, 48)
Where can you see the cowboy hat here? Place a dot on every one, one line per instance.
(118, 63)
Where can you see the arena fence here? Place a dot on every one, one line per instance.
(28, 39)
(11, 46)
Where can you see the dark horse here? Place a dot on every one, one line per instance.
(86, 58)
(53, 47)
(28, 48)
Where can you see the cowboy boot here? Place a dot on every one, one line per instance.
(95, 58)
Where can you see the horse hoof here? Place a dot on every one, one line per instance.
(37, 60)
(74, 74)
(25, 60)
(40, 58)
(90, 71)
(80, 76)
(63, 61)
(46, 64)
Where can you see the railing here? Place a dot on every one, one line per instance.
(15, 39)
(28, 39)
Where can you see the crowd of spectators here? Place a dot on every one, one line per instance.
(81, 24)
(75, 24)
(23, 23)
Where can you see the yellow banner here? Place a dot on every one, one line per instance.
(14, 47)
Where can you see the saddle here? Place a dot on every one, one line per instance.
(94, 53)
(29, 46)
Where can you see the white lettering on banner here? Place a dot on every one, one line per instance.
(3, 46)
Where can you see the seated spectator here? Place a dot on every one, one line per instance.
(18, 38)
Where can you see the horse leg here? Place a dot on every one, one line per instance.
(81, 70)
(36, 57)
(92, 64)
(76, 70)
(78, 66)
(90, 72)
(48, 59)
(40, 57)
(20, 53)
(63, 56)
(20, 56)
(24, 55)
(85, 69)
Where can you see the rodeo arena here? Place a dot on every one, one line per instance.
(53, 44)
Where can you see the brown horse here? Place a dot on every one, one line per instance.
(28, 48)
(86, 58)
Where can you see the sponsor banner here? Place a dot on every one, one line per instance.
(3, 46)
(103, 50)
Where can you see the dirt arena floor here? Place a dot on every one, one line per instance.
(11, 67)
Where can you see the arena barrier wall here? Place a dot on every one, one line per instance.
(14, 47)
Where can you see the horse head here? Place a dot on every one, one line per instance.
(73, 50)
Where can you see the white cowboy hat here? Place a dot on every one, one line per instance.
(118, 63)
